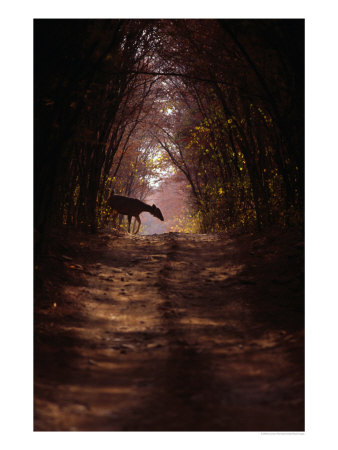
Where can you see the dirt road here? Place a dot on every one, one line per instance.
(171, 332)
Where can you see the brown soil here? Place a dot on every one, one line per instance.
(170, 332)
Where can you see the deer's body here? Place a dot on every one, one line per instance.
(132, 207)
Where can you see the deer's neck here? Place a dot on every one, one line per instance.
(146, 207)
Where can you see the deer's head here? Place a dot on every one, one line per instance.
(156, 212)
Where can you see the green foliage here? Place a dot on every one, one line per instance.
(233, 184)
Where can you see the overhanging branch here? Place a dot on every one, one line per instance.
(174, 74)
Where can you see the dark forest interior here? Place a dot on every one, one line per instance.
(195, 324)
(217, 105)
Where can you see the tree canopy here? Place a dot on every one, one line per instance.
(125, 105)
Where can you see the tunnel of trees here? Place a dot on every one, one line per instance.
(126, 106)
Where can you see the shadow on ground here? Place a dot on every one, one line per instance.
(170, 333)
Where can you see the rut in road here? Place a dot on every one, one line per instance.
(174, 332)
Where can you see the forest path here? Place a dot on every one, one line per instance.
(172, 332)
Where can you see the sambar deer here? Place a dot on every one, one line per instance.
(132, 207)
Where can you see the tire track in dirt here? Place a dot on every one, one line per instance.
(223, 369)
(166, 333)
(181, 397)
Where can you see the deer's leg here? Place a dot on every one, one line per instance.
(129, 220)
(139, 223)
